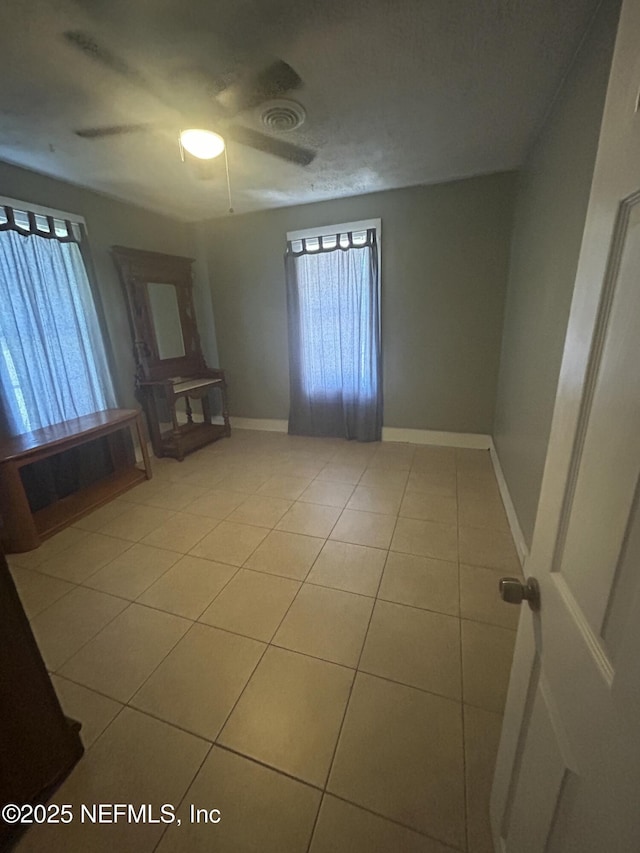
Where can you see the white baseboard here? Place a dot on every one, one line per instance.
(471, 440)
(512, 516)
(475, 441)
(268, 424)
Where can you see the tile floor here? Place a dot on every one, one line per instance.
(302, 633)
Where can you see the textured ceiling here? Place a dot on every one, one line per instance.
(397, 92)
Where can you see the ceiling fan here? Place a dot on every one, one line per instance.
(225, 97)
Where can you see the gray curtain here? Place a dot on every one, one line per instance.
(53, 363)
(334, 336)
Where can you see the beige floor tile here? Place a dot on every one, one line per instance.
(206, 478)
(487, 651)
(393, 457)
(290, 714)
(436, 481)
(481, 739)
(342, 473)
(38, 591)
(61, 541)
(84, 558)
(426, 539)
(288, 554)
(67, 624)
(472, 489)
(384, 478)
(230, 543)
(243, 481)
(289, 488)
(345, 828)
(473, 460)
(253, 604)
(364, 528)
(263, 810)
(415, 647)
(97, 519)
(353, 568)
(376, 499)
(427, 506)
(141, 493)
(309, 519)
(181, 532)
(132, 572)
(477, 509)
(176, 496)
(421, 582)
(328, 493)
(137, 522)
(216, 504)
(479, 481)
(261, 510)
(326, 623)
(480, 598)
(432, 457)
(189, 586)
(400, 755)
(137, 760)
(490, 548)
(299, 469)
(122, 656)
(354, 454)
(89, 708)
(198, 683)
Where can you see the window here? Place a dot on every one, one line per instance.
(334, 331)
(53, 365)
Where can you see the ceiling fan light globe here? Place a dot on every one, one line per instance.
(204, 144)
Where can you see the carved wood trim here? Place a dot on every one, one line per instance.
(137, 268)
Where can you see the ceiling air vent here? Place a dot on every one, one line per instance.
(282, 116)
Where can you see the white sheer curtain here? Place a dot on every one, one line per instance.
(334, 336)
(53, 364)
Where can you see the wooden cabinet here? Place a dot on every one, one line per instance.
(171, 369)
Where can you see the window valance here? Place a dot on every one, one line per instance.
(332, 243)
(30, 223)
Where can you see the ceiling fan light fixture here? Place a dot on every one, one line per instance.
(204, 144)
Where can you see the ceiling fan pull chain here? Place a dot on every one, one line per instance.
(226, 165)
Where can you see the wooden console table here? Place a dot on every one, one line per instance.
(22, 529)
(185, 437)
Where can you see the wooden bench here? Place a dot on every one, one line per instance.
(22, 529)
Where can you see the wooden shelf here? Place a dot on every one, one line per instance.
(190, 437)
(23, 529)
(65, 511)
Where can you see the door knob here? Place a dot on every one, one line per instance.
(514, 592)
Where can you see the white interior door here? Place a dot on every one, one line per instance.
(568, 770)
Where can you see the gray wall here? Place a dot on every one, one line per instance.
(109, 222)
(551, 205)
(444, 266)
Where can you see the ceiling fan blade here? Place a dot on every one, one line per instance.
(272, 82)
(114, 130)
(276, 147)
(88, 45)
(91, 48)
